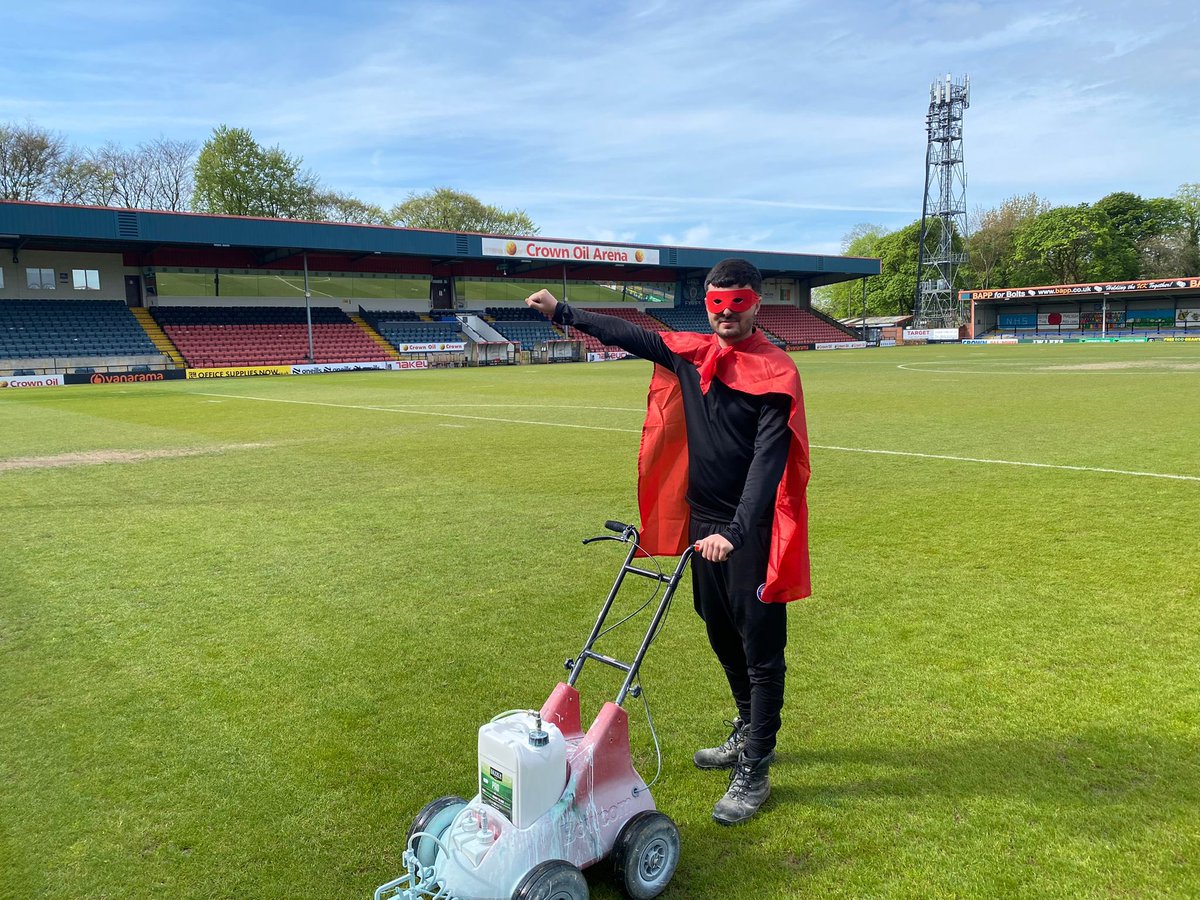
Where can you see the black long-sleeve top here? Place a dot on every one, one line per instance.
(737, 442)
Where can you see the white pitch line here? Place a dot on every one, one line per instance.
(972, 459)
(424, 412)
(401, 406)
(1049, 367)
(1009, 462)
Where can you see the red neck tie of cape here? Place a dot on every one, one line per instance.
(708, 368)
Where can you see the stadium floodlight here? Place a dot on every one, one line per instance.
(944, 210)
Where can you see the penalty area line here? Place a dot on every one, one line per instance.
(1010, 462)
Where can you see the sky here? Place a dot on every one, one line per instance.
(772, 125)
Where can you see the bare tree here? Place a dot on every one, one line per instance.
(155, 175)
(129, 173)
(170, 165)
(29, 157)
(80, 179)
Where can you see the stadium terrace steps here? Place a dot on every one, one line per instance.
(157, 335)
(375, 336)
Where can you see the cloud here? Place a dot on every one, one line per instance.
(780, 127)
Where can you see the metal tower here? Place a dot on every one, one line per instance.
(944, 212)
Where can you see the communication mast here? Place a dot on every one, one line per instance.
(944, 212)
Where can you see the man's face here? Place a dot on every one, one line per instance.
(729, 325)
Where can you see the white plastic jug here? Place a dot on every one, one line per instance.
(522, 767)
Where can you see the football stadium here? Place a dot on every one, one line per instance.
(292, 509)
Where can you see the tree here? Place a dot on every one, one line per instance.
(896, 286)
(128, 180)
(79, 179)
(235, 176)
(1064, 245)
(889, 293)
(335, 207)
(1167, 255)
(36, 164)
(445, 209)
(1137, 219)
(1133, 222)
(29, 160)
(845, 299)
(171, 165)
(991, 243)
(1188, 198)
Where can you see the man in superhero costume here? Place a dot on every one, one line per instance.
(724, 466)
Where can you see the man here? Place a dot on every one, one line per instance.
(724, 467)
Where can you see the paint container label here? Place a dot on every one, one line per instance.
(496, 789)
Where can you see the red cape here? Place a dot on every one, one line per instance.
(755, 367)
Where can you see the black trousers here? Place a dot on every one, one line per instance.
(747, 635)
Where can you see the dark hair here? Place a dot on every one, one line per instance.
(733, 272)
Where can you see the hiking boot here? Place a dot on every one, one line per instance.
(727, 754)
(748, 790)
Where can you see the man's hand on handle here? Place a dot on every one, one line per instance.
(714, 548)
(544, 302)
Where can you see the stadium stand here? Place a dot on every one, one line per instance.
(522, 326)
(528, 334)
(1049, 332)
(419, 332)
(684, 318)
(399, 328)
(784, 326)
(512, 314)
(70, 328)
(798, 327)
(593, 345)
(210, 336)
(374, 316)
(637, 317)
(694, 319)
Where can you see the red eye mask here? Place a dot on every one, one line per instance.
(735, 299)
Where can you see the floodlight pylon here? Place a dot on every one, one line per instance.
(944, 211)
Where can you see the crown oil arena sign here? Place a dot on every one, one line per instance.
(528, 248)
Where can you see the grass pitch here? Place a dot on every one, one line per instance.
(249, 627)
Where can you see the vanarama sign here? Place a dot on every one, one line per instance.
(529, 248)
